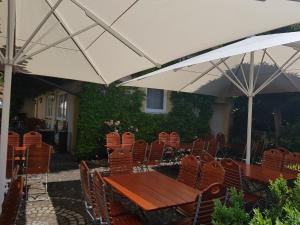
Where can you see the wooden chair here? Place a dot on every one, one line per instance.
(156, 153)
(205, 157)
(204, 207)
(174, 140)
(189, 171)
(38, 162)
(233, 178)
(13, 139)
(12, 202)
(110, 212)
(212, 147)
(32, 138)
(139, 153)
(128, 140)
(291, 159)
(10, 161)
(113, 140)
(273, 159)
(212, 172)
(163, 137)
(120, 162)
(198, 147)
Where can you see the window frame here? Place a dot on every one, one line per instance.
(58, 109)
(157, 111)
(48, 116)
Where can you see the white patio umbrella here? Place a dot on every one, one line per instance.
(260, 64)
(102, 41)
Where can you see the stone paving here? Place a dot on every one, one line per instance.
(63, 204)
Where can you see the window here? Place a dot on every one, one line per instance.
(49, 106)
(62, 107)
(156, 101)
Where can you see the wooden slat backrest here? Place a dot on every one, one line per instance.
(113, 140)
(205, 157)
(205, 205)
(212, 172)
(163, 137)
(38, 159)
(189, 171)
(32, 138)
(12, 201)
(273, 159)
(128, 140)
(139, 152)
(156, 152)
(212, 147)
(174, 140)
(85, 178)
(101, 201)
(198, 147)
(10, 161)
(120, 162)
(291, 159)
(233, 174)
(13, 139)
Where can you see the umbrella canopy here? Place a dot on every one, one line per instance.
(103, 41)
(260, 64)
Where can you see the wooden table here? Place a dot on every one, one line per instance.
(153, 190)
(264, 175)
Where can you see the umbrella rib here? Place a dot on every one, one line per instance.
(229, 78)
(235, 76)
(202, 74)
(84, 53)
(277, 73)
(258, 70)
(243, 72)
(41, 24)
(125, 11)
(115, 34)
(286, 76)
(2, 58)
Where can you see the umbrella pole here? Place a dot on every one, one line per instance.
(8, 69)
(250, 106)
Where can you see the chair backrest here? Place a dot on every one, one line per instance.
(13, 139)
(212, 147)
(38, 159)
(113, 140)
(273, 159)
(212, 172)
(205, 157)
(205, 205)
(291, 162)
(128, 140)
(163, 137)
(10, 161)
(233, 173)
(198, 147)
(101, 203)
(189, 171)
(32, 138)
(120, 162)
(85, 179)
(156, 152)
(12, 201)
(139, 152)
(174, 140)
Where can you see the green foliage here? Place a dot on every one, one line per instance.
(290, 136)
(235, 214)
(101, 107)
(260, 219)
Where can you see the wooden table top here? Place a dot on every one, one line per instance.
(153, 190)
(264, 175)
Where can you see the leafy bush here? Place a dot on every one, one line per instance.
(235, 214)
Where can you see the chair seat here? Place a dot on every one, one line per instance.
(127, 219)
(249, 197)
(116, 208)
(188, 210)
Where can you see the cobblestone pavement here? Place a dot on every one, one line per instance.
(63, 204)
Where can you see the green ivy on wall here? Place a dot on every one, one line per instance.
(189, 116)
